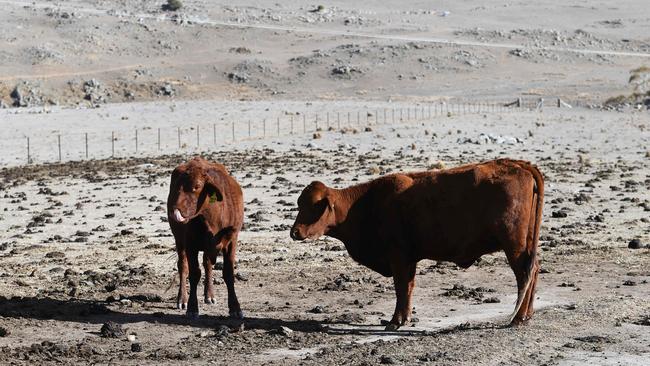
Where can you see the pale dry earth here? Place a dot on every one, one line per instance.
(84, 243)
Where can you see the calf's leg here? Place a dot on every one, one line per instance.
(195, 276)
(181, 298)
(229, 277)
(209, 257)
(404, 279)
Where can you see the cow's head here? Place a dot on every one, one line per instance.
(315, 212)
(194, 186)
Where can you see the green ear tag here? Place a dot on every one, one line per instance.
(213, 197)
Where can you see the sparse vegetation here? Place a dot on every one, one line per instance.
(640, 81)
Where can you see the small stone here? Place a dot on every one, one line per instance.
(112, 330)
(222, 331)
(136, 347)
(4, 332)
(131, 337)
(492, 300)
(285, 331)
(317, 136)
(634, 244)
(318, 309)
(368, 129)
(386, 360)
(559, 214)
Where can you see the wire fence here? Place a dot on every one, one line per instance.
(191, 137)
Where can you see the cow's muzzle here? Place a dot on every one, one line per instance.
(295, 234)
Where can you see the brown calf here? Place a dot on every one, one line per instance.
(455, 215)
(206, 211)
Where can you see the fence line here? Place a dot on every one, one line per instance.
(141, 141)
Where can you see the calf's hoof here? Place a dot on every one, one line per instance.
(237, 315)
(391, 327)
(181, 305)
(210, 300)
(192, 315)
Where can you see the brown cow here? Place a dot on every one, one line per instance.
(455, 215)
(206, 211)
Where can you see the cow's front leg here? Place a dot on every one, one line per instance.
(229, 278)
(195, 276)
(209, 257)
(404, 279)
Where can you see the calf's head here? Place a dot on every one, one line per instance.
(194, 186)
(315, 212)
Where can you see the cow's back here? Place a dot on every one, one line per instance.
(457, 214)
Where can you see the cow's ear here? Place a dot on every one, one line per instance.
(215, 181)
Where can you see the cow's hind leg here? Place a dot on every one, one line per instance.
(229, 277)
(181, 298)
(404, 279)
(524, 265)
(209, 257)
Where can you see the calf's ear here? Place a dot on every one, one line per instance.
(216, 182)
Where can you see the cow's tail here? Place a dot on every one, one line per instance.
(535, 221)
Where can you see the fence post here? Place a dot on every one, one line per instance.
(316, 120)
(112, 144)
(328, 120)
(59, 139)
(197, 136)
(358, 118)
(86, 145)
(214, 133)
(233, 130)
(249, 128)
(292, 124)
(348, 119)
(338, 119)
(158, 138)
(179, 137)
(264, 128)
(29, 158)
(136, 140)
(278, 126)
(304, 123)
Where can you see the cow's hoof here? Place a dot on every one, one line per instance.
(518, 322)
(181, 305)
(391, 327)
(237, 315)
(210, 300)
(192, 315)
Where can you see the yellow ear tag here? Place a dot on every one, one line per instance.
(213, 197)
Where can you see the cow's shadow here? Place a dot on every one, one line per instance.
(97, 312)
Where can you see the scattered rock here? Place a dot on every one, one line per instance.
(112, 330)
(634, 244)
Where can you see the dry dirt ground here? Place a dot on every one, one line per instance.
(87, 259)
(86, 243)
